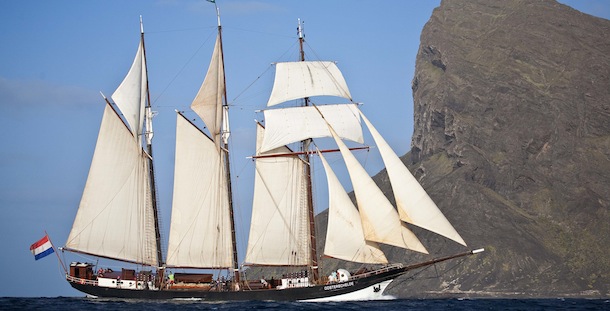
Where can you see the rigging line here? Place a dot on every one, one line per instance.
(180, 30)
(236, 199)
(260, 32)
(264, 72)
(326, 68)
(251, 84)
(182, 69)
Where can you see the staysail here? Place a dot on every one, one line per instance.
(279, 230)
(344, 234)
(200, 229)
(414, 205)
(380, 220)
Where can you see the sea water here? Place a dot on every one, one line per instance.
(91, 304)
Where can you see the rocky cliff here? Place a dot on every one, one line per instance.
(512, 140)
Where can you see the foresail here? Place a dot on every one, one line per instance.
(414, 204)
(380, 220)
(208, 102)
(200, 230)
(130, 96)
(294, 80)
(287, 125)
(279, 230)
(115, 216)
(344, 234)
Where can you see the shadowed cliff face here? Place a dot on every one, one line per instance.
(512, 140)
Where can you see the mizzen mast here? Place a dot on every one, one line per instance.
(225, 132)
(148, 115)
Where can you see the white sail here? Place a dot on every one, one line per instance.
(380, 220)
(115, 216)
(288, 125)
(208, 102)
(130, 96)
(294, 80)
(344, 234)
(414, 204)
(279, 230)
(200, 229)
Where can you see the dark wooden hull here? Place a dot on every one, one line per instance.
(370, 285)
(288, 294)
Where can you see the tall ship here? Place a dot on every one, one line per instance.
(118, 219)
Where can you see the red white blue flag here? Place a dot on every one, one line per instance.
(42, 248)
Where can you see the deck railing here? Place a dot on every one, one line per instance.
(80, 281)
(377, 271)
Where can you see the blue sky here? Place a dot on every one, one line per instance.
(56, 56)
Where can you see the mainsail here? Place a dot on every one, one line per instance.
(200, 230)
(279, 230)
(116, 216)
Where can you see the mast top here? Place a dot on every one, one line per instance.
(300, 29)
(141, 25)
(217, 14)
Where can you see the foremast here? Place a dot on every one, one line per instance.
(305, 148)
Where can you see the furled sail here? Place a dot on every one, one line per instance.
(130, 96)
(414, 204)
(200, 229)
(294, 80)
(288, 125)
(380, 220)
(115, 217)
(208, 102)
(344, 234)
(279, 230)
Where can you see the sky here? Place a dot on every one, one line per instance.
(57, 56)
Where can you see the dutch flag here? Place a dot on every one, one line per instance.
(42, 248)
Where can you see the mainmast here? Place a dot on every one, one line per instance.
(149, 136)
(224, 135)
(305, 147)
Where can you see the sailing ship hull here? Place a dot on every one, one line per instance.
(366, 288)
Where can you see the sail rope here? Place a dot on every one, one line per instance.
(184, 66)
(414, 276)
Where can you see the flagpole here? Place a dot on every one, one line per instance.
(56, 253)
